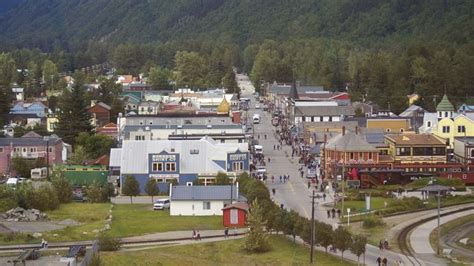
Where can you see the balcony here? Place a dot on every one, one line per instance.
(29, 155)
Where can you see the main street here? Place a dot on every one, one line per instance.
(294, 193)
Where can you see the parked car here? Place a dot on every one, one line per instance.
(161, 204)
(257, 106)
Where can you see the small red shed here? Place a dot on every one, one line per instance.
(235, 215)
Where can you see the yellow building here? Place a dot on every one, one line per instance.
(51, 123)
(451, 125)
(416, 148)
(389, 125)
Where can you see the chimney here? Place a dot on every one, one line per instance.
(343, 130)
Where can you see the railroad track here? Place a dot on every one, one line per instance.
(53, 246)
(402, 237)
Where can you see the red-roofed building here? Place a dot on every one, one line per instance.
(100, 114)
(109, 130)
(235, 215)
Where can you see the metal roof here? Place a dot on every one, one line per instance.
(29, 141)
(324, 110)
(204, 193)
(350, 141)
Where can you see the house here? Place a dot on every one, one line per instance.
(448, 124)
(51, 122)
(131, 102)
(100, 114)
(23, 113)
(148, 108)
(183, 161)
(466, 108)
(30, 146)
(202, 200)
(19, 93)
(416, 114)
(464, 150)
(84, 175)
(124, 79)
(235, 215)
(416, 148)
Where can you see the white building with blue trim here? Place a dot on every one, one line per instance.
(183, 160)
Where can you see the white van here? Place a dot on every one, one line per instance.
(161, 204)
(258, 149)
(256, 119)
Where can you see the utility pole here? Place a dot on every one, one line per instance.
(439, 218)
(312, 227)
(343, 181)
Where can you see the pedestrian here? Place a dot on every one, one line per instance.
(194, 234)
(44, 244)
(384, 261)
(265, 136)
(273, 191)
(309, 184)
(324, 196)
(339, 213)
(333, 211)
(385, 244)
(226, 232)
(258, 136)
(329, 213)
(198, 235)
(380, 245)
(274, 146)
(268, 159)
(280, 179)
(273, 178)
(379, 261)
(288, 177)
(282, 206)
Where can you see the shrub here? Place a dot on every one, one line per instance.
(108, 243)
(7, 198)
(372, 221)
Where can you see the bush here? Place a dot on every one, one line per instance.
(457, 183)
(372, 221)
(405, 204)
(43, 198)
(7, 198)
(108, 243)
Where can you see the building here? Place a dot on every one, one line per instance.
(109, 130)
(466, 108)
(19, 93)
(328, 113)
(173, 126)
(464, 150)
(100, 113)
(29, 114)
(448, 124)
(148, 108)
(348, 149)
(389, 124)
(183, 161)
(202, 200)
(416, 148)
(235, 215)
(30, 146)
(84, 175)
(51, 122)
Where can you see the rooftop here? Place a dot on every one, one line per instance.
(324, 110)
(416, 139)
(205, 193)
(445, 105)
(350, 141)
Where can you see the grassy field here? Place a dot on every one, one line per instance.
(90, 217)
(447, 227)
(230, 252)
(376, 203)
(139, 219)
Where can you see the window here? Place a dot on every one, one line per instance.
(50, 149)
(1, 150)
(445, 114)
(170, 167)
(428, 124)
(24, 149)
(172, 149)
(388, 130)
(403, 151)
(206, 205)
(472, 153)
(361, 156)
(462, 129)
(237, 166)
(352, 156)
(446, 129)
(401, 130)
(139, 137)
(33, 149)
(151, 122)
(222, 140)
(370, 156)
(157, 167)
(194, 151)
(16, 149)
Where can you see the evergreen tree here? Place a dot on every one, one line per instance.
(131, 187)
(151, 188)
(256, 240)
(7, 77)
(73, 115)
(158, 78)
(342, 240)
(62, 186)
(358, 245)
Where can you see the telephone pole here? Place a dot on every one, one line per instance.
(312, 227)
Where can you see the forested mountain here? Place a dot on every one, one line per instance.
(47, 23)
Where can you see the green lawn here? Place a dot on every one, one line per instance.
(139, 219)
(91, 216)
(447, 227)
(230, 252)
(376, 203)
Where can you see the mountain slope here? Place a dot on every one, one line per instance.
(42, 23)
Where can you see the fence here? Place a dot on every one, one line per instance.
(90, 254)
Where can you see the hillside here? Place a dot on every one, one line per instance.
(48, 23)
